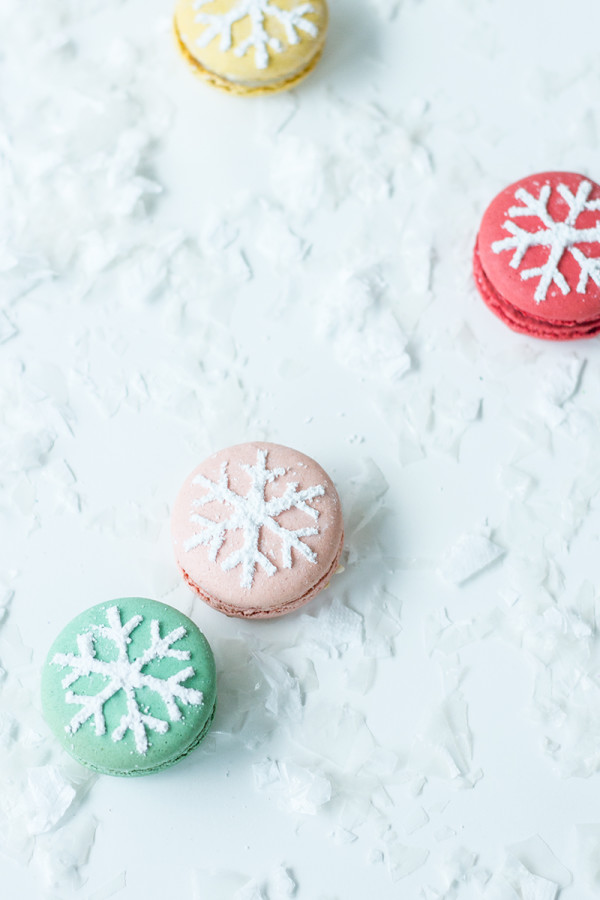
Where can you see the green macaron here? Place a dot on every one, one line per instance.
(129, 687)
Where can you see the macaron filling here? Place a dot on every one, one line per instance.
(249, 85)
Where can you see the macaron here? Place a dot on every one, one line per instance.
(129, 687)
(251, 46)
(537, 256)
(257, 530)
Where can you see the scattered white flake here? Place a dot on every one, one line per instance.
(252, 890)
(563, 642)
(338, 734)
(216, 885)
(61, 854)
(515, 482)
(442, 746)
(300, 175)
(416, 820)
(588, 848)
(382, 762)
(360, 676)
(443, 833)
(558, 381)
(284, 699)
(467, 344)
(355, 810)
(403, 860)
(363, 331)
(9, 728)
(382, 624)
(447, 637)
(537, 858)
(342, 836)
(334, 628)
(281, 884)
(110, 888)
(365, 496)
(471, 554)
(48, 796)
(532, 887)
(515, 880)
(416, 785)
(13, 652)
(295, 789)
(276, 241)
(7, 329)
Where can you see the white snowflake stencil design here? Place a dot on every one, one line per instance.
(126, 675)
(559, 237)
(220, 26)
(250, 514)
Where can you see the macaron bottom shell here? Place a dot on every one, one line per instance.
(272, 612)
(136, 772)
(524, 323)
(240, 88)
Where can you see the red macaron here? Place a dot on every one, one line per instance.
(537, 256)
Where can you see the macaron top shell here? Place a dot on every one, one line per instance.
(539, 246)
(252, 42)
(129, 686)
(256, 527)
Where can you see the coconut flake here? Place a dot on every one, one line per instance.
(470, 555)
(220, 885)
(588, 847)
(335, 628)
(295, 788)
(110, 888)
(48, 796)
(252, 890)
(362, 329)
(538, 860)
(442, 746)
(7, 329)
(284, 700)
(403, 860)
(60, 855)
(281, 884)
(559, 381)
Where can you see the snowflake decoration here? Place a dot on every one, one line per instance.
(251, 513)
(559, 237)
(220, 26)
(126, 675)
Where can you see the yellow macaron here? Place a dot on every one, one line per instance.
(251, 46)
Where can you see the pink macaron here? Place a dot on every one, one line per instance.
(537, 256)
(257, 530)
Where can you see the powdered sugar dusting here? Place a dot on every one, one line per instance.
(126, 675)
(251, 513)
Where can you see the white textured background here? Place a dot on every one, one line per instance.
(181, 270)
